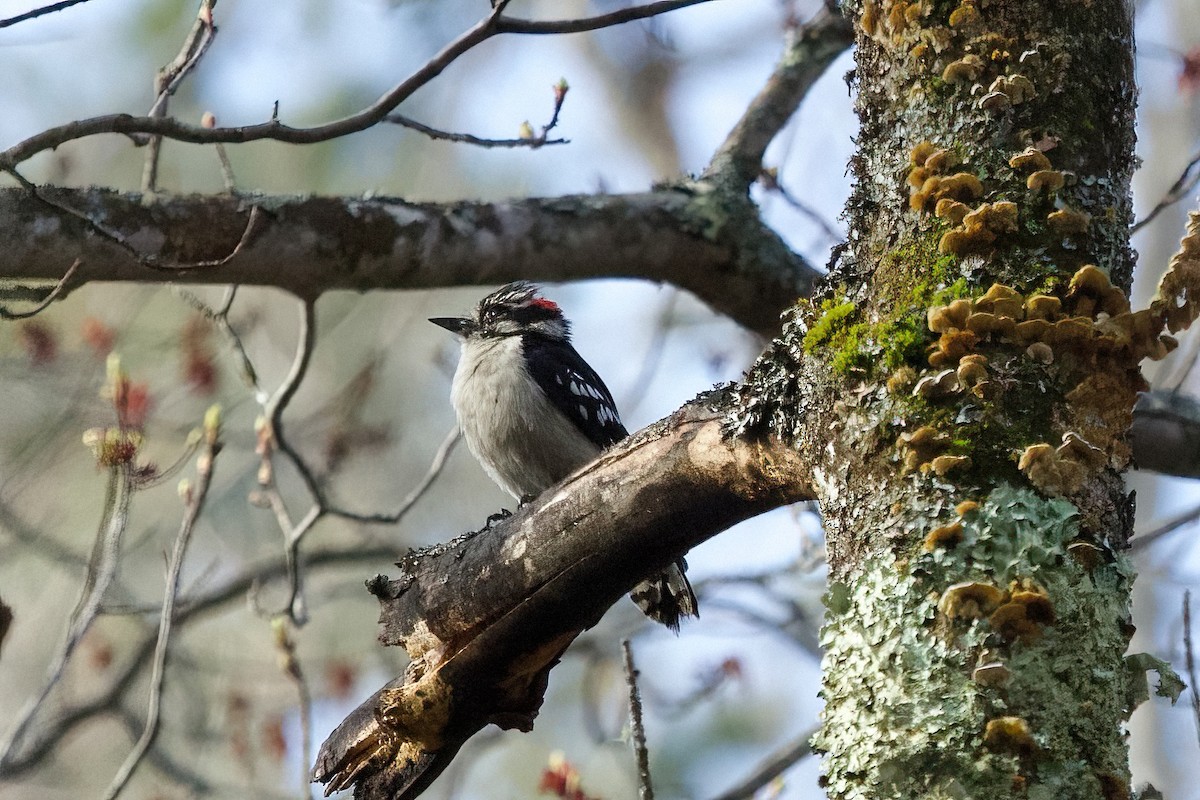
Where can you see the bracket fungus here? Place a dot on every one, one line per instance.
(970, 600)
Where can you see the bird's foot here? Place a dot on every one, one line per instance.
(499, 516)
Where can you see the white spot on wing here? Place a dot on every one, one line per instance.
(583, 412)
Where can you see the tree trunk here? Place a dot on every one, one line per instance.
(965, 385)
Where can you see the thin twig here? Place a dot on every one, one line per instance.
(1142, 541)
(153, 262)
(769, 178)
(416, 493)
(194, 497)
(1180, 189)
(1191, 658)
(465, 138)
(39, 12)
(636, 730)
(297, 607)
(274, 409)
(285, 645)
(6, 618)
(531, 141)
(58, 289)
(277, 404)
(274, 439)
(102, 567)
(273, 129)
(227, 176)
(530, 26)
(31, 187)
(219, 316)
(772, 767)
(198, 40)
(169, 78)
(163, 761)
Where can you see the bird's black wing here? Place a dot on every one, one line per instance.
(575, 389)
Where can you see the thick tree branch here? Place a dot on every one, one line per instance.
(485, 617)
(309, 245)
(810, 50)
(1166, 434)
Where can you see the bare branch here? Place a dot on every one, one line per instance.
(289, 662)
(416, 493)
(58, 289)
(273, 439)
(273, 129)
(163, 760)
(636, 730)
(529, 26)
(1191, 658)
(194, 497)
(39, 12)
(769, 178)
(810, 50)
(494, 23)
(220, 317)
(297, 606)
(149, 260)
(771, 768)
(169, 78)
(531, 141)
(278, 403)
(736, 264)
(1143, 540)
(234, 590)
(1180, 189)
(102, 567)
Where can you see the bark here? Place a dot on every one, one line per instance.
(963, 389)
(710, 243)
(484, 618)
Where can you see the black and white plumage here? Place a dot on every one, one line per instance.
(533, 411)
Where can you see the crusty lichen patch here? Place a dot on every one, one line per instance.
(935, 658)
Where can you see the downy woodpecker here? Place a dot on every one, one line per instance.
(533, 411)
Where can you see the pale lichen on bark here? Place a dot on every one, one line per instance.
(917, 683)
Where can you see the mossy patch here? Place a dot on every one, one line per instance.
(865, 347)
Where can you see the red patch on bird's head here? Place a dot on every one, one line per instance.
(541, 302)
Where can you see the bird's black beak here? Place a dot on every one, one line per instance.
(456, 325)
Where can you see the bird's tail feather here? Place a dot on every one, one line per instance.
(667, 597)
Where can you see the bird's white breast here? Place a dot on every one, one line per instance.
(522, 441)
